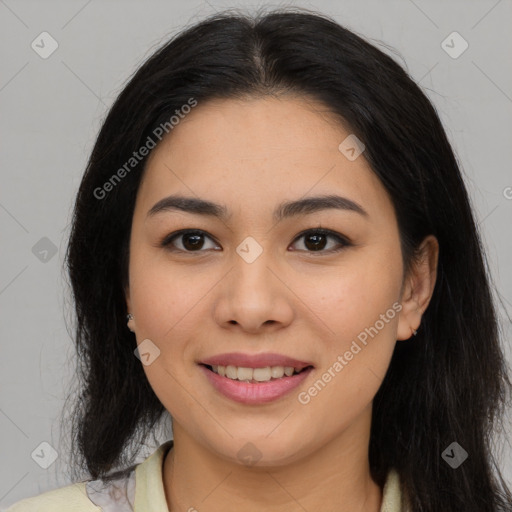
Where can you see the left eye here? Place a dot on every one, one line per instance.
(315, 241)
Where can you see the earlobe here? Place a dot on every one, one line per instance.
(130, 322)
(409, 321)
(418, 288)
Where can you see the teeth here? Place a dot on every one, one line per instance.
(239, 373)
(276, 372)
(258, 374)
(231, 372)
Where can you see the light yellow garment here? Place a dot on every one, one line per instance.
(149, 492)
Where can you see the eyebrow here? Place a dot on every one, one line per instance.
(285, 210)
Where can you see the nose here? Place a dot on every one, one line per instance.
(254, 297)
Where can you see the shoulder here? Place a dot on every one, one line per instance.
(115, 495)
(72, 498)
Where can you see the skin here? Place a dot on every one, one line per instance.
(250, 155)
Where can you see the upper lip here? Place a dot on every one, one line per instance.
(254, 360)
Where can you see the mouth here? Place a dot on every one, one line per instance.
(256, 386)
(254, 379)
(256, 375)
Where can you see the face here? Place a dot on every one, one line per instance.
(254, 283)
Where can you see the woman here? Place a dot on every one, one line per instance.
(273, 243)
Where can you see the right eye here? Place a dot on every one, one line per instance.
(192, 240)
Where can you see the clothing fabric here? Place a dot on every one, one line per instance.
(142, 490)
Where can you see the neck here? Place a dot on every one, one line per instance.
(335, 477)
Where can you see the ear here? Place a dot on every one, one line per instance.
(130, 320)
(418, 287)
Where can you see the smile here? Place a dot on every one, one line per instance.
(256, 386)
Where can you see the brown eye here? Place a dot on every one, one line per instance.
(316, 240)
(191, 241)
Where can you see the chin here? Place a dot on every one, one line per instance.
(261, 451)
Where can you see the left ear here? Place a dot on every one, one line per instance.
(418, 288)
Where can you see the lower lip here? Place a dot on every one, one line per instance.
(257, 393)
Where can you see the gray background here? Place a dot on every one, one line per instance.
(51, 112)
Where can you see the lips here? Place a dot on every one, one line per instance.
(252, 392)
(240, 359)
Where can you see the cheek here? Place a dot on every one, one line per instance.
(354, 296)
(166, 301)
(165, 296)
(361, 309)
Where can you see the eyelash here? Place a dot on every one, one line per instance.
(167, 240)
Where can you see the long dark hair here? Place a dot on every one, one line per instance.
(448, 385)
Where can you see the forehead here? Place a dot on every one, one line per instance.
(254, 151)
(256, 129)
